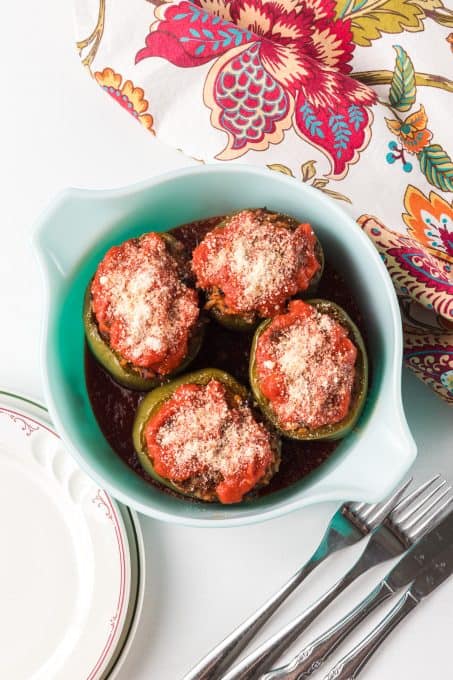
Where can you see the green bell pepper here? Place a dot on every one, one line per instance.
(134, 377)
(244, 323)
(154, 401)
(359, 392)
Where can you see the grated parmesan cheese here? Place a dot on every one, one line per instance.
(255, 260)
(316, 372)
(140, 302)
(206, 435)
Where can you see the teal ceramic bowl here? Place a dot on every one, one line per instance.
(73, 236)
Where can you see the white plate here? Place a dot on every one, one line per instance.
(138, 583)
(69, 587)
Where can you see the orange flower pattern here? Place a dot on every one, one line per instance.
(412, 132)
(430, 222)
(127, 95)
(421, 268)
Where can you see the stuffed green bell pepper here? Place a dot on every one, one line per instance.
(198, 436)
(141, 316)
(309, 371)
(252, 263)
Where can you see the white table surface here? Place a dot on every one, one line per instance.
(59, 129)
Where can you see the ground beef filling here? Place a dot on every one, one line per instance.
(305, 368)
(207, 442)
(255, 263)
(142, 307)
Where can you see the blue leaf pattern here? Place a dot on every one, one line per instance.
(232, 35)
(356, 116)
(313, 125)
(341, 132)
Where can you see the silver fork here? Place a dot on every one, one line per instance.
(412, 517)
(351, 523)
(318, 651)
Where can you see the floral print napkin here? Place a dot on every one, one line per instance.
(354, 97)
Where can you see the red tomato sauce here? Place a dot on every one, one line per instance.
(305, 366)
(256, 261)
(142, 307)
(197, 433)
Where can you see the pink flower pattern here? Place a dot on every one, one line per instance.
(277, 64)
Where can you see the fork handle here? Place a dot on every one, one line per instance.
(213, 665)
(262, 658)
(316, 653)
(349, 667)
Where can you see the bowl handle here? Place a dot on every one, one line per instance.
(394, 452)
(68, 229)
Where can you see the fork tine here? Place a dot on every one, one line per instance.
(409, 524)
(430, 522)
(405, 502)
(381, 510)
(402, 516)
(426, 512)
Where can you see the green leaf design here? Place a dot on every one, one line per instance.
(371, 18)
(308, 170)
(336, 195)
(429, 4)
(402, 89)
(320, 182)
(437, 166)
(278, 167)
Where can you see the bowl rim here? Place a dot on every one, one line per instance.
(394, 361)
